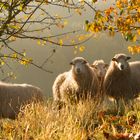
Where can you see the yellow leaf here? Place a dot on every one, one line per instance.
(14, 55)
(44, 42)
(21, 7)
(39, 42)
(24, 53)
(78, 11)
(118, 4)
(134, 38)
(60, 42)
(81, 48)
(134, 49)
(12, 38)
(73, 41)
(138, 31)
(2, 63)
(60, 25)
(25, 61)
(81, 37)
(65, 22)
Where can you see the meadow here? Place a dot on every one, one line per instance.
(83, 121)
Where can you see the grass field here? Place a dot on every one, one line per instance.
(84, 121)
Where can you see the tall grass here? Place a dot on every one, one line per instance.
(82, 121)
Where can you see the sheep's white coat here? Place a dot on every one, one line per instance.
(72, 86)
(122, 81)
(100, 68)
(13, 96)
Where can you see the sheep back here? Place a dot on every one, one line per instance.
(57, 85)
(135, 75)
(13, 96)
(69, 89)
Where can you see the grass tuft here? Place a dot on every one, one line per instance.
(82, 121)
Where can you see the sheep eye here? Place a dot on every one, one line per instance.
(71, 63)
(128, 57)
(84, 62)
(95, 67)
(106, 65)
(114, 59)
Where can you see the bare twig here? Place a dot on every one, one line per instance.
(17, 58)
(48, 58)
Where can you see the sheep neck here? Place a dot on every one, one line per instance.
(83, 79)
(116, 81)
(117, 73)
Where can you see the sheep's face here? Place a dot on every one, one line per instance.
(101, 69)
(121, 61)
(79, 65)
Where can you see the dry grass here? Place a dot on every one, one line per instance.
(84, 121)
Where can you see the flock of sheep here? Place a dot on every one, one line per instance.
(120, 80)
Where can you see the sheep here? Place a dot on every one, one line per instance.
(14, 96)
(100, 67)
(122, 79)
(77, 83)
(135, 69)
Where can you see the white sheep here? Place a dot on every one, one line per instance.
(14, 96)
(122, 80)
(100, 67)
(135, 69)
(80, 81)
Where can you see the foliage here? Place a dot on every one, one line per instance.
(73, 122)
(123, 17)
(26, 19)
(32, 19)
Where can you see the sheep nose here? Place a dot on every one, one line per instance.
(122, 67)
(78, 70)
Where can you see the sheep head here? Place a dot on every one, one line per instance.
(101, 67)
(121, 61)
(79, 65)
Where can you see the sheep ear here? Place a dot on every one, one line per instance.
(128, 57)
(114, 59)
(93, 66)
(71, 63)
(106, 65)
(85, 62)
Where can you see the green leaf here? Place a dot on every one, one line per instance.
(121, 12)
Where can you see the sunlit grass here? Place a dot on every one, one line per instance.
(83, 121)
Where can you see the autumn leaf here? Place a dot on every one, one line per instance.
(39, 42)
(2, 63)
(78, 11)
(60, 42)
(81, 48)
(65, 22)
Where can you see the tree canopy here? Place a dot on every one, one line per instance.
(121, 17)
(28, 19)
(31, 19)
